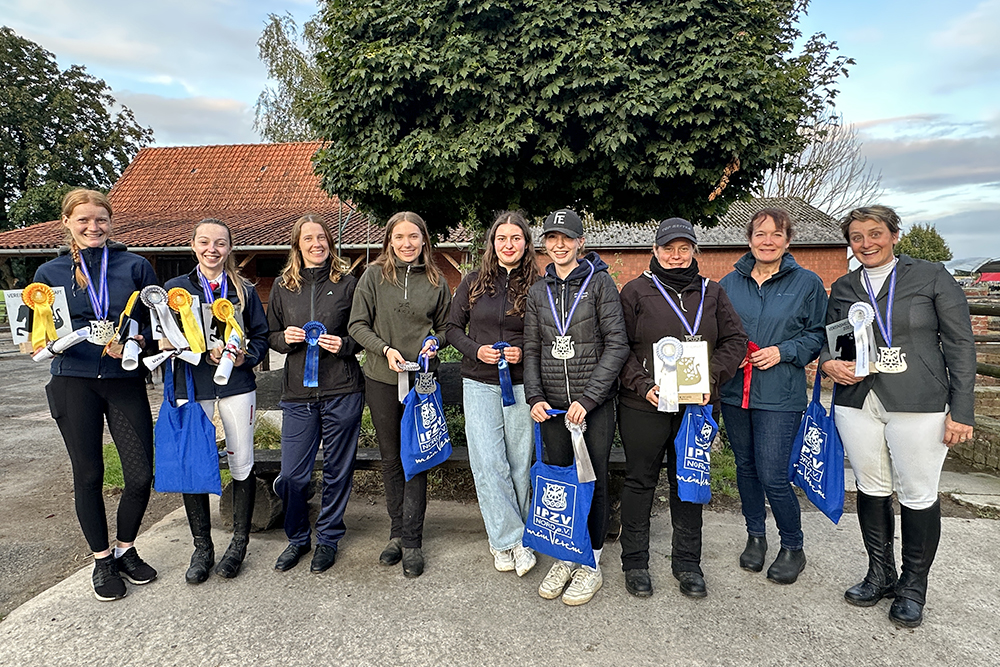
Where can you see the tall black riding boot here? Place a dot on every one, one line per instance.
(203, 558)
(244, 495)
(877, 528)
(921, 532)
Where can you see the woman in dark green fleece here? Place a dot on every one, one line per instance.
(401, 298)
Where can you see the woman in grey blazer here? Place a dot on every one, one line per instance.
(898, 421)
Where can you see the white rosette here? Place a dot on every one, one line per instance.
(403, 379)
(584, 466)
(154, 297)
(229, 354)
(668, 351)
(62, 344)
(131, 351)
(861, 315)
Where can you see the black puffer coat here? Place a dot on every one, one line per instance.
(597, 330)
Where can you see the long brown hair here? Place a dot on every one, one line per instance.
(231, 268)
(522, 276)
(73, 199)
(291, 275)
(387, 257)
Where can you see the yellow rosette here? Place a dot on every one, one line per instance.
(40, 297)
(180, 301)
(223, 310)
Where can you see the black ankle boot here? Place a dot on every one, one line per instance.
(921, 532)
(244, 495)
(752, 558)
(787, 566)
(203, 558)
(877, 527)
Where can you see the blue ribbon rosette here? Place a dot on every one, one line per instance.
(313, 331)
(506, 385)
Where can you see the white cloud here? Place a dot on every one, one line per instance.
(970, 47)
(192, 121)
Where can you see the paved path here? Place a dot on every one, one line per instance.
(462, 612)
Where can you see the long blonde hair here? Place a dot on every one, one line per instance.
(73, 199)
(230, 266)
(386, 258)
(291, 275)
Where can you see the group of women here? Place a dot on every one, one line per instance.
(536, 345)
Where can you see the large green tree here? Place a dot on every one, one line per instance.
(923, 242)
(631, 109)
(57, 129)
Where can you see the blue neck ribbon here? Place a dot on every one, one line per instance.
(506, 385)
(310, 378)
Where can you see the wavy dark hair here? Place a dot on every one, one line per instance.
(522, 276)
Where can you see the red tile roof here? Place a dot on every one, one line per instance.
(259, 190)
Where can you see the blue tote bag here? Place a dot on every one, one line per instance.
(560, 506)
(187, 458)
(817, 463)
(424, 440)
(693, 445)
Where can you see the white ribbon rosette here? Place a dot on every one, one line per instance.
(668, 352)
(861, 315)
(584, 466)
(154, 297)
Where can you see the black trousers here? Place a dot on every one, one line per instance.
(558, 450)
(405, 501)
(80, 406)
(646, 436)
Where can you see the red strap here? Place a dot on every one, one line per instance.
(747, 372)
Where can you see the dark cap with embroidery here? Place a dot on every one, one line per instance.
(675, 228)
(565, 222)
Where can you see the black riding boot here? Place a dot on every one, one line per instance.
(877, 528)
(244, 495)
(921, 532)
(203, 558)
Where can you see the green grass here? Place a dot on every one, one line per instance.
(113, 478)
(724, 468)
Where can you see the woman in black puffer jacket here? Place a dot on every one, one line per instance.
(576, 370)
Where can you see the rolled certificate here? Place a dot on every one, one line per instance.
(62, 344)
(130, 353)
(184, 355)
(229, 355)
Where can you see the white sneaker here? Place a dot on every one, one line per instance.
(585, 583)
(524, 560)
(555, 581)
(503, 561)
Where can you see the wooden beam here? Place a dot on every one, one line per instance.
(247, 259)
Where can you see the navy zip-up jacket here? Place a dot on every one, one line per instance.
(788, 310)
(242, 379)
(127, 273)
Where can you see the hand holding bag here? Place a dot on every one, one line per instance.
(693, 445)
(560, 507)
(424, 440)
(817, 463)
(187, 458)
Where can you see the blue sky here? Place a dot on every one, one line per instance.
(924, 92)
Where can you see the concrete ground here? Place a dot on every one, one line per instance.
(462, 612)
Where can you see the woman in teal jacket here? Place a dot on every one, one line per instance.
(783, 309)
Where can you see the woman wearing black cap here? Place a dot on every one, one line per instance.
(671, 299)
(574, 348)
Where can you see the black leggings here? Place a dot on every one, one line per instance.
(405, 501)
(80, 406)
(558, 446)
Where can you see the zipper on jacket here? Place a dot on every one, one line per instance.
(503, 305)
(562, 310)
(406, 281)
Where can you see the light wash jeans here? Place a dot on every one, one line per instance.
(501, 443)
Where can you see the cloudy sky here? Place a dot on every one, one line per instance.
(925, 92)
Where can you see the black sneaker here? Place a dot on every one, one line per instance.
(134, 568)
(108, 585)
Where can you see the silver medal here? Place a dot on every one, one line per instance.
(102, 332)
(563, 347)
(425, 383)
(890, 360)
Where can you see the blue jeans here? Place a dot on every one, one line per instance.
(501, 443)
(762, 442)
(337, 422)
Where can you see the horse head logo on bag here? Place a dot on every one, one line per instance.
(688, 372)
(814, 440)
(554, 497)
(428, 415)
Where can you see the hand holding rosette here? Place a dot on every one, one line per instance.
(310, 378)
(62, 344)
(39, 297)
(860, 315)
(154, 297)
(180, 301)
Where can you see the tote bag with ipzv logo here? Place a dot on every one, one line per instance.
(817, 462)
(560, 505)
(693, 445)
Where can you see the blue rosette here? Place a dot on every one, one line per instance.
(506, 384)
(310, 378)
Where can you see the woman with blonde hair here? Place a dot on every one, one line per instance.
(89, 387)
(401, 298)
(321, 390)
(218, 277)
